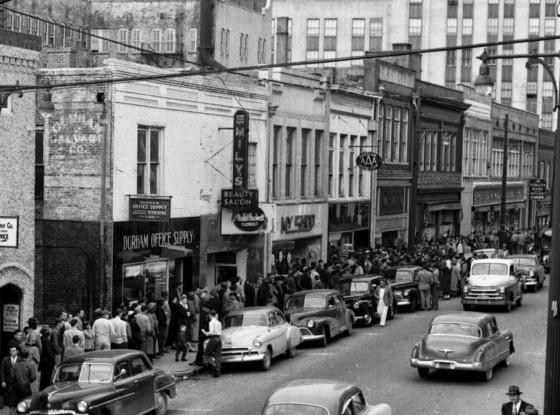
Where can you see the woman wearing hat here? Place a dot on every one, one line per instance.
(515, 406)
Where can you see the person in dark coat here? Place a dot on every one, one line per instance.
(206, 305)
(249, 289)
(6, 375)
(23, 374)
(46, 364)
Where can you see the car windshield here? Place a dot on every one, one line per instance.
(85, 373)
(311, 301)
(250, 319)
(455, 329)
(404, 276)
(524, 261)
(489, 268)
(295, 409)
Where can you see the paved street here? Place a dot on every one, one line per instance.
(377, 359)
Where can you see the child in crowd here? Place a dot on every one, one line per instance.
(181, 344)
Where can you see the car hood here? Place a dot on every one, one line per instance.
(402, 285)
(58, 394)
(238, 336)
(490, 280)
(457, 347)
(303, 313)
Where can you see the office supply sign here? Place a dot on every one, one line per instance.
(9, 231)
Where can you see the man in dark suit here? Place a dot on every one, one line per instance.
(515, 406)
(10, 398)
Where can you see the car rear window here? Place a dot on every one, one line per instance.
(455, 329)
(295, 409)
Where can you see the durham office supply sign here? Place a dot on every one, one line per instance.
(9, 231)
(149, 209)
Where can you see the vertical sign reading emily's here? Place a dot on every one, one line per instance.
(240, 149)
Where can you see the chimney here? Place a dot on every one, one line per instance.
(413, 61)
(281, 36)
(371, 76)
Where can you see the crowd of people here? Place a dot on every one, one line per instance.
(191, 321)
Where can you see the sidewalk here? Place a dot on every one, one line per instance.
(179, 370)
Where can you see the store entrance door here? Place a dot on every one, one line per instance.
(10, 308)
(225, 273)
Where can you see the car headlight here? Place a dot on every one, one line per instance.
(22, 407)
(502, 290)
(310, 324)
(532, 274)
(357, 305)
(465, 289)
(406, 292)
(257, 343)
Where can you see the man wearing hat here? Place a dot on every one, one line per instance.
(515, 406)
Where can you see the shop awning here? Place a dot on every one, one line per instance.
(175, 251)
(444, 206)
(485, 208)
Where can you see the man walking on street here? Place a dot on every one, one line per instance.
(515, 406)
(6, 375)
(102, 331)
(425, 280)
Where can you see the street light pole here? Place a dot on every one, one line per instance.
(502, 235)
(483, 84)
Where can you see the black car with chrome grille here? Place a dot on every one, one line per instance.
(359, 296)
(405, 287)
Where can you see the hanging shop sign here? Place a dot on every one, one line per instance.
(10, 320)
(368, 160)
(9, 227)
(238, 200)
(250, 220)
(537, 188)
(149, 210)
(240, 149)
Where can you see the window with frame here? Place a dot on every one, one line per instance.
(452, 26)
(341, 152)
(376, 34)
(157, 40)
(534, 26)
(351, 165)
(492, 26)
(387, 132)
(466, 65)
(193, 40)
(531, 104)
(9, 21)
(136, 39)
(99, 42)
(317, 162)
(241, 45)
(358, 40)
(415, 27)
(227, 44)
(245, 46)
(330, 40)
(259, 46)
(550, 8)
(27, 24)
(39, 165)
(148, 160)
(403, 156)
(35, 27)
(534, 8)
(52, 34)
(122, 37)
(467, 27)
(468, 9)
(396, 136)
(17, 22)
(222, 41)
(508, 26)
(546, 120)
(304, 166)
(509, 9)
(332, 138)
(506, 93)
(290, 154)
(170, 41)
(66, 36)
(550, 26)
(276, 154)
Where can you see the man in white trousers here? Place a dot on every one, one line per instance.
(384, 295)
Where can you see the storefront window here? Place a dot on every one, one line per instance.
(146, 280)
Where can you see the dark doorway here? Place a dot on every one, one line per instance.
(10, 309)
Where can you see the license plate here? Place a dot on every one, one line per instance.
(443, 366)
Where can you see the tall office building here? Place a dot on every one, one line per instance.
(320, 29)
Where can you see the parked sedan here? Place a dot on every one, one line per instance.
(320, 397)
(258, 334)
(359, 295)
(463, 341)
(104, 382)
(531, 269)
(405, 287)
(319, 314)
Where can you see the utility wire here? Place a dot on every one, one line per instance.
(204, 72)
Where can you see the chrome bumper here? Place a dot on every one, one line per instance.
(240, 357)
(403, 302)
(448, 365)
(476, 300)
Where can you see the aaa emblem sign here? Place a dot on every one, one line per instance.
(368, 160)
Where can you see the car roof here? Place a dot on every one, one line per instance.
(103, 356)
(323, 291)
(461, 317)
(253, 310)
(320, 392)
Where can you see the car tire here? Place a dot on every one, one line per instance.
(488, 374)
(412, 307)
(291, 350)
(325, 339)
(423, 372)
(267, 361)
(367, 319)
(506, 362)
(160, 403)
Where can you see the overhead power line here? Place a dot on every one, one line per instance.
(205, 72)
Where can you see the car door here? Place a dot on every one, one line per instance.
(126, 388)
(503, 339)
(274, 337)
(143, 380)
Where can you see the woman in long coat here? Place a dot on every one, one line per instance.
(151, 338)
(46, 364)
(445, 279)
